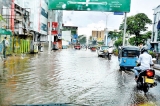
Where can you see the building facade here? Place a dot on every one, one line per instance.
(155, 39)
(38, 21)
(74, 32)
(98, 35)
(28, 21)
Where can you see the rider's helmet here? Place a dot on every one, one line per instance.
(144, 49)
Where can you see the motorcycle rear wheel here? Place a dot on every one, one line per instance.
(145, 87)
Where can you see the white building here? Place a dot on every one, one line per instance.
(66, 37)
(38, 17)
(155, 40)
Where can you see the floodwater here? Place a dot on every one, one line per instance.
(70, 76)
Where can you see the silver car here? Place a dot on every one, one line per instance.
(104, 51)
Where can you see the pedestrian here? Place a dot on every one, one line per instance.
(5, 45)
(86, 47)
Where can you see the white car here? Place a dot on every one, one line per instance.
(110, 49)
(101, 50)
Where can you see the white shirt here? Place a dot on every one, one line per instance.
(145, 60)
(6, 43)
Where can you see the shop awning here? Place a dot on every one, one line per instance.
(5, 32)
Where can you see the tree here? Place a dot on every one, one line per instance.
(82, 39)
(113, 34)
(116, 35)
(141, 39)
(137, 24)
(118, 42)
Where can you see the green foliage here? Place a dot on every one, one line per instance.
(137, 24)
(114, 35)
(141, 39)
(153, 54)
(118, 42)
(100, 43)
(1, 18)
(82, 39)
(115, 52)
(90, 37)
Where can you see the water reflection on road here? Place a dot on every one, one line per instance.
(68, 76)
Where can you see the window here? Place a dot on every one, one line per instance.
(130, 53)
(43, 27)
(43, 12)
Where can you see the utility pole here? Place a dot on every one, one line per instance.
(50, 29)
(124, 29)
(106, 31)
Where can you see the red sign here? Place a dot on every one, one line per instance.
(54, 24)
(54, 32)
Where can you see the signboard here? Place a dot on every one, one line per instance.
(54, 24)
(118, 13)
(90, 5)
(5, 32)
(75, 36)
(54, 32)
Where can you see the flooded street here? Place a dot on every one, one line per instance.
(70, 76)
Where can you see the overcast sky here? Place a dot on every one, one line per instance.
(90, 20)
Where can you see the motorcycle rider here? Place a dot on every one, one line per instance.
(145, 61)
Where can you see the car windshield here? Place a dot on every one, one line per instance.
(104, 47)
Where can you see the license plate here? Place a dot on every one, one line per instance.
(105, 51)
(149, 80)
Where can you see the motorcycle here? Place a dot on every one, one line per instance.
(146, 80)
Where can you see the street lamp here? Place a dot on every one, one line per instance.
(106, 30)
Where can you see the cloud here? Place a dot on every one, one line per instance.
(100, 25)
(69, 23)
